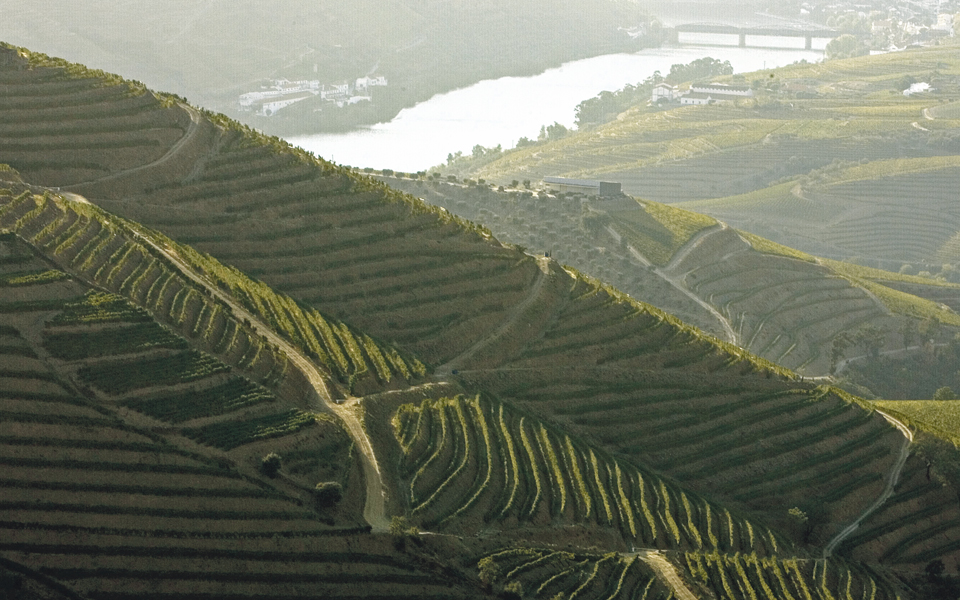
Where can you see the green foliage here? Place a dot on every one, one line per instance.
(545, 574)
(749, 577)
(100, 307)
(328, 493)
(118, 377)
(270, 465)
(227, 435)
(38, 277)
(944, 393)
(230, 396)
(521, 468)
(136, 337)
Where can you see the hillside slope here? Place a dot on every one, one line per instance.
(781, 304)
(612, 423)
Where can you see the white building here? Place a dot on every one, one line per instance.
(721, 89)
(663, 91)
(364, 83)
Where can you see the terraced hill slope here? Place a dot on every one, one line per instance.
(773, 160)
(89, 339)
(131, 455)
(603, 421)
(894, 212)
(781, 304)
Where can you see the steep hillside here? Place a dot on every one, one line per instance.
(489, 395)
(132, 454)
(781, 304)
(443, 462)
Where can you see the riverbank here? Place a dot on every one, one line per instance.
(498, 112)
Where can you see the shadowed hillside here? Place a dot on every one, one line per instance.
(784, 305)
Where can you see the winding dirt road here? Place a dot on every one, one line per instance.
(175, 149)
(508, 322)
(374, 511)
(667, 572)
(887, 490)
(677, 282)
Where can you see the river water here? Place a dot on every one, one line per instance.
(500, 111)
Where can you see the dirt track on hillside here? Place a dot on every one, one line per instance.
(374, 511)
(508, 322)
(667, 572)
(887, 490)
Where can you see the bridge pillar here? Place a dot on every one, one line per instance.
(809, 43)
(743, 40)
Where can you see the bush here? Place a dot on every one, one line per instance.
(944, 393)
(270, 465)
(328, 493)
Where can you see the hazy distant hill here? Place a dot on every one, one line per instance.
(829, 158)
(211, 52)
(547, 423)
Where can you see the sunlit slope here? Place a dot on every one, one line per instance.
(779, 303)
(131, 454)
(893, 211)
(695, 152)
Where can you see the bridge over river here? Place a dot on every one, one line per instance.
(780, 36)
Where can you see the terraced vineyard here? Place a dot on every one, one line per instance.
(546, 410)
(741, 576)
(892, 212)
(114, 256)
(484, 462)
(637, 386)
(776, 302)
(143, 510)
(546, 573)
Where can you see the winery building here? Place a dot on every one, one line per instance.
(583, 186)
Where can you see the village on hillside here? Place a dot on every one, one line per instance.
(278, 94)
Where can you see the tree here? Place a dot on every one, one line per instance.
(871, 339)
(935, 569)
(328, 493)
(489, 571)
(944, 393)
(904, 83)
(846, 46)
(837, 349)
(270, 465)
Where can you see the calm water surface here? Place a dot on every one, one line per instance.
(500, 111)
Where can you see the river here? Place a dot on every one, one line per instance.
(500, 111)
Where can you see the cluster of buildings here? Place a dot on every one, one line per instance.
(699, 93)
(281, 93)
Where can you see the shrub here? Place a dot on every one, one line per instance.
(944, 393)
(270, 465)
(328, 493)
